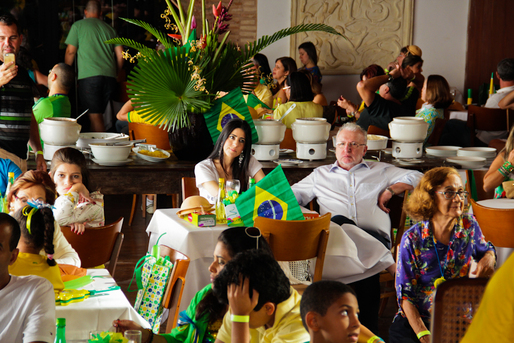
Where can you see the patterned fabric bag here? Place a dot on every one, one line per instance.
(152, 275)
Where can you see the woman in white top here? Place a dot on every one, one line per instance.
(230, 159)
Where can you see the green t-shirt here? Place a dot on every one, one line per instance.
(54, 106)
(94, 56)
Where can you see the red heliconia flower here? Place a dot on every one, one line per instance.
(178, 37)
(216, 10)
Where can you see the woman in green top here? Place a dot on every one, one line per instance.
(204, 315)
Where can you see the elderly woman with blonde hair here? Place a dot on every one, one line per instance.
(439, 247)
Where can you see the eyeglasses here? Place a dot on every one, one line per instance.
(254, 232)
(451, 194)
(350, 144)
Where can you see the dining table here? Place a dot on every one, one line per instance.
(97, 312)
(198, 243)
(143, 177)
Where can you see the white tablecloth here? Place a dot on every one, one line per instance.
(461, 115)
(497, 203)
(97, 312)
(343, 261)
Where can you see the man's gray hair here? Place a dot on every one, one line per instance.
(355, 128)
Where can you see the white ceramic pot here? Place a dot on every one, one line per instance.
(87, 138)
(310, 130)
(49, 150)
(59, 131)
(269, 131)
(407, 119)
(409, 131)
(110, 153)
(376, 142)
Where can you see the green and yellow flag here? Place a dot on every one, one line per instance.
(253, 101)
(224, 109)
(271, 197)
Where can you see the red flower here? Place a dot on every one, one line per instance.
(178, 37)
(216, 10)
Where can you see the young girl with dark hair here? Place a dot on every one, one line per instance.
(203, 317)
(230, 159)
(298, 89)
(76, 206)
(37, 231)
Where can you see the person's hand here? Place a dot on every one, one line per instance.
(78, 228)
(425, 339)
(239, 297)
(383, 199)
(485, 267)
(343, 103)
(396, 72)
(80, 188)
(123, 325)
(41, 163)
(511, 157)
(6, 75)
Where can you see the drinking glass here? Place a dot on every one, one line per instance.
(233, 185)
(133, 336)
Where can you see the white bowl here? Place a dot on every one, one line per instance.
(49, 150)
(87, 138)
(110, 153)
(269, 131)
(443, 150)
(477, 152)
(311, 130)
(408, 130)
(407, 119)
(151, 158)
(59, 131)
(376, 142)
(467, 161)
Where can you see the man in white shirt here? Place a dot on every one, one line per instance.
(27, 303)
(359, 192)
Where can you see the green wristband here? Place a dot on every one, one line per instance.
(423, 334)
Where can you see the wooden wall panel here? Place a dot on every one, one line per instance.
(489, 40)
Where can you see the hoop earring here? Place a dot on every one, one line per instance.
(241, 159)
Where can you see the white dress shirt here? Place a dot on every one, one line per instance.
(354, 193)
(492, 102)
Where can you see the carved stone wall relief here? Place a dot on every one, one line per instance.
(376, 31)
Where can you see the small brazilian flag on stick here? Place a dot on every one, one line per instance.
(253, 101)
(271, 197)
(224, 109)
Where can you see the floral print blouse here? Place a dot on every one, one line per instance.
(72, 208)
(429, 115)
(417, 266)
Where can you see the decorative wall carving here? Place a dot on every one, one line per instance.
(376, 31)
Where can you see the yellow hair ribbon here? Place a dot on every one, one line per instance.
(29, 215)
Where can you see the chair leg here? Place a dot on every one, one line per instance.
(134, 202)
(383, 305)
(143, 206)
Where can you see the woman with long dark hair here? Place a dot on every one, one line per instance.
(230, 159)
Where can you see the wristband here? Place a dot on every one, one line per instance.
(387, 73)
(39, 152)
(352, 114)
(423, 334)
(374, 338)
(390, 190)
(239, 319)
(413, 78)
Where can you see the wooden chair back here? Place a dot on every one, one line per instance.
(189, 187)
(496, 224)
(296, 240)
(153, 134)
(97, 246)
(373, 130)
(288, 142)
(456, 301)
(488, 119)
(478, 177)
(173, 296)
(433, 140)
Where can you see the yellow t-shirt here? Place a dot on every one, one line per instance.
(34, 264)
(305, 109)
(492, 322)
(287, 327)
(135, 117)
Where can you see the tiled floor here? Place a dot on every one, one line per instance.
(135, 246)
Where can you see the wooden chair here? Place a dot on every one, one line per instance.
(373, 130)
(177, 280)
(456, 301)
(476, 178)
(488, 119)
(297, 240)
(496, 224)
(498, 144)
(97, 246)
(158, 137)
(433, 140)
(189, 187)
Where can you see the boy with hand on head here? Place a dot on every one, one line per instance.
(263, 307)
(330, 313)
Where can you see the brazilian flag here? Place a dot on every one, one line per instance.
(254, 102)
(224, 109)
(271, 197)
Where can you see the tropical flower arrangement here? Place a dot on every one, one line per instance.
(166, 86)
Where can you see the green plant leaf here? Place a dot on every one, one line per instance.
(161, 36)
(144, 50)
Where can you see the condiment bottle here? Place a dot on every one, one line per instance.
(251, 183)
(60, 334)
(221, 218)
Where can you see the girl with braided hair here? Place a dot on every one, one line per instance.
(37, 231)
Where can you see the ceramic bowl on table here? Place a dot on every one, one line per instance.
(408, 131)
(269, 131)
(49, 150)
(151, 153)
(87, 138)
(376, 142)
(468, 162)
(59, 131)
(477, 152)
(443, 150)
(111, 153)
(407, 119)
(311, 130)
